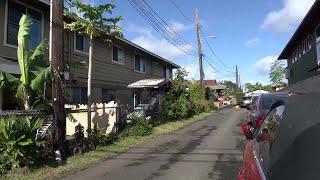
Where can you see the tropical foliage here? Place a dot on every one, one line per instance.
(30, 84)
(138, 127)
(176, 103)
(18, 146)
(257, 86)
(277, 73)
(93, 23)
(184, 100)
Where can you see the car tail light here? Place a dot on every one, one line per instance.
(258, 122)
(240, 175)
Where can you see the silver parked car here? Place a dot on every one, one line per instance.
(246, 100)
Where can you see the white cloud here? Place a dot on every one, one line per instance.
(262, 66)
(178, 26)
(193, 72)
(284, 19)
(252, 42)
(157, 45)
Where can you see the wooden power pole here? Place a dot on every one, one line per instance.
(237, 78)
(199, 50)
(56, 60)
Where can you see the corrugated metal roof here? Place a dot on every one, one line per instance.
(218, 86)
(148, 83)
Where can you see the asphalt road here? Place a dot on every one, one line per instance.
(208, 149)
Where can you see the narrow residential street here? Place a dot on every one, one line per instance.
(208, 149)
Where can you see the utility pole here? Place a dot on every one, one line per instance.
(56, 60)
(199, 50)
(237, 78)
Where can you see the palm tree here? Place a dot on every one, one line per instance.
(93, 24)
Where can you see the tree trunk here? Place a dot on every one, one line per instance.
(89, 82)
(26, 102)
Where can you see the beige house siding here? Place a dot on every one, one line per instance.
(106, 73)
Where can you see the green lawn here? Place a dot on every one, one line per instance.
(76, 163)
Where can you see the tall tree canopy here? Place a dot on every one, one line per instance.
(277, 73)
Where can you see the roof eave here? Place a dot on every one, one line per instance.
(285, 54)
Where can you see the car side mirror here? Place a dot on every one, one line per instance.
(247, 130)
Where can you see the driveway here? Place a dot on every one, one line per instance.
(207, 149)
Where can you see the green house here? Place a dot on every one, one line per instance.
(302, 52)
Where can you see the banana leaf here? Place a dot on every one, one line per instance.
(41, 78)
(23, 54)
(38, 55)
(37, 124)
(7, 80)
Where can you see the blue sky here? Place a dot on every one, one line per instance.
(250, 34)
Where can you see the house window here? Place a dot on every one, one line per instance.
(79, 95)
(166, 72)
(139, 63)
(82, 43)
(108, 95)
(15, 11)
(117, 54)
(318, 42)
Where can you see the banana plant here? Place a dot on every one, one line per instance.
(33, 69)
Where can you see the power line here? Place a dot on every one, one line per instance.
(213, 52)
(181, 12)
(188, 19)
(162, 27)
(149, 17)
(167, 32)
(208, 60)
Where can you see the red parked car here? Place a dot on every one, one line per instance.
(256, 151)
(261, 105)
(286, 145)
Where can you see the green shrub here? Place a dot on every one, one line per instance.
(103, 139)
(183, 101)
(139, 127)
(17, 141)
(4, 165)
(176, 108)
(176, 103)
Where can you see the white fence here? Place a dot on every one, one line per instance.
(103, 117)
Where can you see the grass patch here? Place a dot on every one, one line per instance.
(79, 162)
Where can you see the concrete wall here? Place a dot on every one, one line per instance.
(103, 118)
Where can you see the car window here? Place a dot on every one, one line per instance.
(254, 103)
(267, 134)
(268, 101)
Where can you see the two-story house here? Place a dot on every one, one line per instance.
(115, 65)
(302, 52)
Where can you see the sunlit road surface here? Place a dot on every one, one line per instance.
(208, 149)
